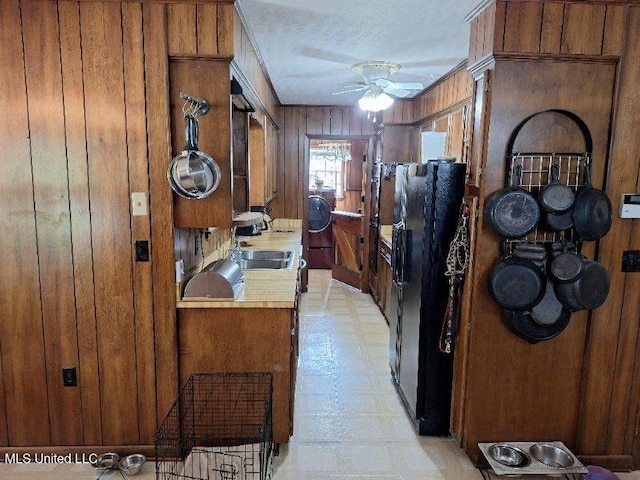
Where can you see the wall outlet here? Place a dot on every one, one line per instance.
(142, 250)
(631, 261)
(69, 377)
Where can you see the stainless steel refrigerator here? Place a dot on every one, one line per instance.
(426, 205)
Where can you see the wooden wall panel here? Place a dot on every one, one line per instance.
(455, 87)
(161, 200)
(207, 29)
(548, 28)
(250, 65)
(533, 391)
(111, 234)
(582, 32)
(614, 30)
(298, 122)
(612, 370)
(182, 20)
(200, 29)
(135, 105)
(225, 29)
(73, 86)
(551, 35)
(51, 198)
(25, 403)
(522, 29)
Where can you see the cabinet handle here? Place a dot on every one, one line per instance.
(303, 263)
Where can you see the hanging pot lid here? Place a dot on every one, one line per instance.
(193, 174)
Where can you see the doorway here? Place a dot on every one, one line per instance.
(336, 208)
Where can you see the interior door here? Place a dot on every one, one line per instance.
(348, 240)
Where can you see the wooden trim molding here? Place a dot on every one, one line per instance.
(488, 61)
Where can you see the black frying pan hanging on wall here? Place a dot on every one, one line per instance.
(592, 216)
(516, 283)
(512, 212)
(525, 327)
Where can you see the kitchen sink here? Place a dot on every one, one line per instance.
(265, 259)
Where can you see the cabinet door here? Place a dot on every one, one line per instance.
(257, 163)
(271, 162)
(480, 111)
(208, 79)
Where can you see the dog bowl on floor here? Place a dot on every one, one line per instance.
(551, 455)
(132, 464)
(106, 461)
(509, 455)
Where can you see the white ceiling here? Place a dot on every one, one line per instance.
(308, 46)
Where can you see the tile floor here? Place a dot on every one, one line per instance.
(349, 422)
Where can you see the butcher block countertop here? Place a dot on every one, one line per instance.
(264, 288)
(385, 233)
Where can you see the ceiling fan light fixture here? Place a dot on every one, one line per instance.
(375, 100)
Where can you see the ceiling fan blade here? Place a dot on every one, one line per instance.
(353, 85)
(399, 93)
(349, 90)
(391, 85)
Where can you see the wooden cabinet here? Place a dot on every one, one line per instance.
(398, 144)
(240, 160)
(244, 340)
(263, 141)
(271, 162)
(257, 163)
(455, 125)
(385, 277)
(208, 79)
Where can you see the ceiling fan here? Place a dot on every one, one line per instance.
(378, 86)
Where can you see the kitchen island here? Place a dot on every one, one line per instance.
(256, 332)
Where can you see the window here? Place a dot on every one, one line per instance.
(326, 165)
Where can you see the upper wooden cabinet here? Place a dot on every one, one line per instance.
(398, 144)
(208, 79)
(263, 141)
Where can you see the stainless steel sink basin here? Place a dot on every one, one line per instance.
(265, 259)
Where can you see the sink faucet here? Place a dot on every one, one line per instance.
(234, 249)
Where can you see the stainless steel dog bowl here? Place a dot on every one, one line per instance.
(551, 455)
(106, 460)
(132, 464)
(509, 455)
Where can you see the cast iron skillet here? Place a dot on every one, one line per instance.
(512, 212)
(516, 283)
(557, 222)
(588, 291)
(592, 215)
(523, 325)
(555, 197)
(548, 311)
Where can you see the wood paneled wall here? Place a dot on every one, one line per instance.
(552, 27)
(452, 89)
(250, 65)
(87, 85)
(200, 29)
(586, 39)
(297, 123)
(71, 293)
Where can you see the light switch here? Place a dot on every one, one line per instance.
(139, 203)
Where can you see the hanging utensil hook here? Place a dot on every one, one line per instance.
(193, 106)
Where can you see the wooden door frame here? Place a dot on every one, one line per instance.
(370, 139)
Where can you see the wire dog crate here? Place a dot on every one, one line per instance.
(219, 428)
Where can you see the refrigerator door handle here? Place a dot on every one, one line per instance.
(397, 239)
